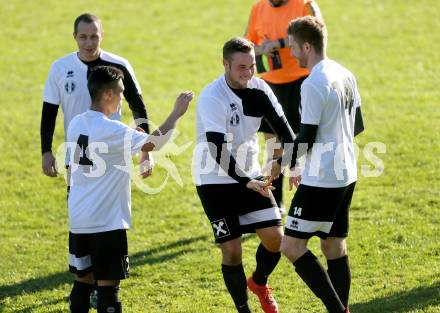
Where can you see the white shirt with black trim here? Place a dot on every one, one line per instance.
(220, 110)
(329, 98)
(67, 84)
(100, 196)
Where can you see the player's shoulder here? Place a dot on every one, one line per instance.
(322, 74)
(258, 83)
(75, 123)
(330, 67)
(259, 86)
(214, 90)
(114, 58)
(111, 124)
(64, 61)
(261, 5)
(106, 125)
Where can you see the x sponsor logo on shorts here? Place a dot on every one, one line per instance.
(220, 228)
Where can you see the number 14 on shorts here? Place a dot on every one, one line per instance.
(297, 211)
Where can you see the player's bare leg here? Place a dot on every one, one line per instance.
(311, 272)
(267, 257)
(335, 251)
(233, 273)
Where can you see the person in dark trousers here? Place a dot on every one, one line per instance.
(266, 28)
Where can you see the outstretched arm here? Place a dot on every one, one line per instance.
(160, 136)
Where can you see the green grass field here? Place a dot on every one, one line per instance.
(391, 46)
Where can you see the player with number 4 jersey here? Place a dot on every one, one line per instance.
(100, 199)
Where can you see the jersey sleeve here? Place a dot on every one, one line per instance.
(138, 139)
(357, 96)
(51, 93)
(273, 99)
(133, 95)
(125, 139)
(273, 114)
(312, 104)
(212, 114)
(133, 77)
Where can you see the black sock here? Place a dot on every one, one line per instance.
(108, 300)
(79, 299)
(278, 192)
(314, 275)
(340, 275)
(235, 281)
(266, 262)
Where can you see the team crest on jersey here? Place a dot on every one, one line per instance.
(220, 228)
(233, 107)
(69, 87)
(235, 119)
(69, 74)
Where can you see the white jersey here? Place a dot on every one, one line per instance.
(100, 163)
(329, 98)
(67, 84)
(220, 110)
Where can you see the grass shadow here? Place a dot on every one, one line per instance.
(402, 302)
(162, 252)
(152, 256)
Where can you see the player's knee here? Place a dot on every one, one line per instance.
(79, 299)
(273, 241)
(232, 258)
(108, 300)
(231, 254)
(333, 248)
(293, 251)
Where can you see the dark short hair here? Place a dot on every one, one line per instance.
(308, 29)
(236, 44)
(86, 18)
(102, 78)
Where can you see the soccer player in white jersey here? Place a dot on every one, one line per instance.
(227, 170)
(67, 85)
(100, 197)
(330, 119)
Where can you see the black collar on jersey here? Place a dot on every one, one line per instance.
(241, 93)
(277, 5)
(93, 63)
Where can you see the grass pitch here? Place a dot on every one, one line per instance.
(391, 46)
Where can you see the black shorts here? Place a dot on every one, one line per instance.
(105, 254)
(289, 96)
(317, 211)
(234, 209)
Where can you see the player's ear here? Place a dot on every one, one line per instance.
(107, 94)
(307, 47)
(225, 63)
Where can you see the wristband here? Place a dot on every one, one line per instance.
(282, 42)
